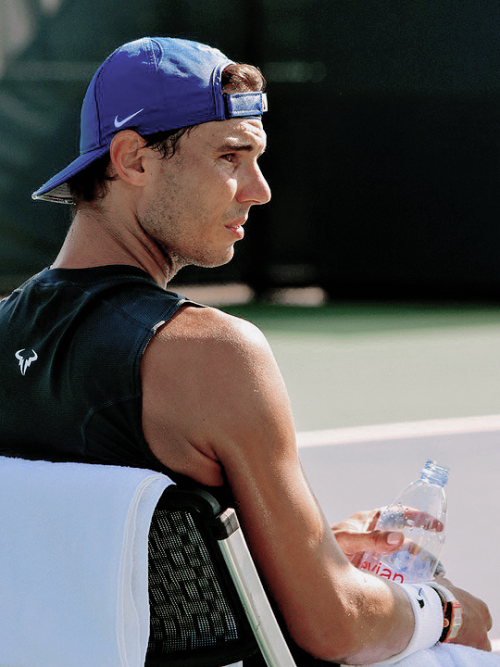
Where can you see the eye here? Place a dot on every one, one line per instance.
(229, 157)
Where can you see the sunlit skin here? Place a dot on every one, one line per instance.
(198, 200)
(160, 214)
(214, 405)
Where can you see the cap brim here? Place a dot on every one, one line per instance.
(57, 189)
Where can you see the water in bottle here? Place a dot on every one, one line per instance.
(419, 512)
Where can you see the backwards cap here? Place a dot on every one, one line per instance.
(154, 84)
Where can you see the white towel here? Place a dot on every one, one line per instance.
(73, 563)
(450, 655)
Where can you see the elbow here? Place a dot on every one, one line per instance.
(345, 644)
(338, 640)
(342, 650)
(360, 629)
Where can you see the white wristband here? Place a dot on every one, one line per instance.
(428, 612)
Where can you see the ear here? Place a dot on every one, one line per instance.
(128, 155)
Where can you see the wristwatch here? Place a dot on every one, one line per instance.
(452, 613)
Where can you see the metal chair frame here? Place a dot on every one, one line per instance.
(187, 617)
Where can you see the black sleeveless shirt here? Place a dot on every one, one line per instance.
(71, 342)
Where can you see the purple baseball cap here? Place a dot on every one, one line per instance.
(151, 85)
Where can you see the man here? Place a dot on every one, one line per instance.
(101, 364)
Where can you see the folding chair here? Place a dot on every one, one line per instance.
(207, 604)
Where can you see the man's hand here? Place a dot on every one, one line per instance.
(477, 620)
(357, 534)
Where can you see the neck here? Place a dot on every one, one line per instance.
(96, 240)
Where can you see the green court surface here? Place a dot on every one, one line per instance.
(362, 364)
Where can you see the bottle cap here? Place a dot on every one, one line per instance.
(435, 473)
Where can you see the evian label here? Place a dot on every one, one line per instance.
(380, 568)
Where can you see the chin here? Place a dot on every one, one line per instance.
(213, 262)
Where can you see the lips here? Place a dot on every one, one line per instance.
(237, 228)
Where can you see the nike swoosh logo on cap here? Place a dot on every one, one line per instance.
(119, 123)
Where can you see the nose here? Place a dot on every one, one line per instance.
(255, 189)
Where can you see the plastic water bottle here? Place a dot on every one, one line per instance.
(424, 531)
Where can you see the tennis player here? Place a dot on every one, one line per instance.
(100, 363)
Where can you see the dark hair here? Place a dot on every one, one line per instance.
(90, 184)
(239, 78)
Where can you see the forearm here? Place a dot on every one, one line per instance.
(379, 619)
(341, 614)
(332, 610)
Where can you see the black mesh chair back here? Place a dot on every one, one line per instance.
(196, 616)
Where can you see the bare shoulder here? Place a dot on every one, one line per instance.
(211, 380)
(209, 340)
(212, 325)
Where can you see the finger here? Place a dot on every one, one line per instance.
(379, 541)
(359, 521)
(421, 519)
(374, 519)
(385, 541)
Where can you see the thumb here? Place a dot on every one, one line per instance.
(381, 541)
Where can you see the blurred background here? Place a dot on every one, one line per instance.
(383, 128)
(383, 158)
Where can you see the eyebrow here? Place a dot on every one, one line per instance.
(236, 146)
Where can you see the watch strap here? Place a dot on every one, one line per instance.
(452, 613)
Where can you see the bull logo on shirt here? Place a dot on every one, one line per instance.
(26, 358)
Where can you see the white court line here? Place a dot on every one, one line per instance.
(377, 432)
